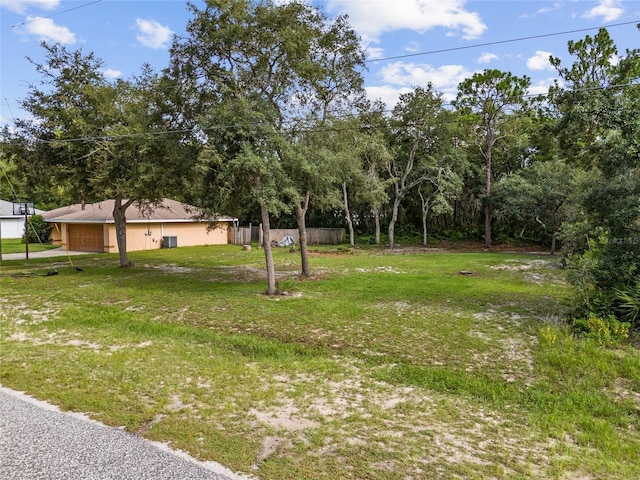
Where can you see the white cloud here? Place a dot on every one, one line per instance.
(541, 87)
(152, 34)
(46, 29)
(540, 61)
(412, 47)
(398, 78)
(609, 10)
(112, 73)
(21, 6)
(387, 94)
(487, 57)
(414, 74)
(374, 53)
(370, 21)
(614, 59)
(547, 9)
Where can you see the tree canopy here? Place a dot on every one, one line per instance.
(261, 112)
(97, 139)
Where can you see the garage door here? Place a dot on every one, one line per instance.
(86, 238)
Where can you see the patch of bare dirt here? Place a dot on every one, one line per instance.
(379, 269)
(22, 313)
(246, 273)
(286, 416)
(171, 268)
(518, 266)
(430, 427)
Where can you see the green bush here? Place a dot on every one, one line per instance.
(628, 302)
(576, 237)
(38, 230)
(407, 234)
(455, 235)
(606, 330)
(606, 280)
(369, 239)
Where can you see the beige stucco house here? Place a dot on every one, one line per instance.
(91, 228)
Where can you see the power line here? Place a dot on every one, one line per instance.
(208, 130)
(56, 14)
(9, 106)
(498, 42)
(427, 52)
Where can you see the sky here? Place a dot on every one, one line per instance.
(408, 42)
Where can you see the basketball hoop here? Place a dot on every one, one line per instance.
(23, 208)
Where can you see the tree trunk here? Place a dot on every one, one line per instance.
(392, 223)
(424, 227)
(348, 216)
(266, 244)
(425, 213)
(553, 244)
(487, 224)
(376, 214)
(120, 222)
(487, 200)
(301, 212)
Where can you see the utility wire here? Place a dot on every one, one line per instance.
(226, 127)
(498, 42)
(9, 106)
(433, 52)
(218, 128)
(55, 14)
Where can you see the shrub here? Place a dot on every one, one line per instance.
(548, 335)
(628, 302)
(606, 280)
(407, 234)
(577, 237)
(458, 235)
(37, 230)
(606, 330)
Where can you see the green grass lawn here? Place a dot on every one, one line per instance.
(381, 366)
(15, 245)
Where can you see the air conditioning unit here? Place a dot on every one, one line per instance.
(169, 242)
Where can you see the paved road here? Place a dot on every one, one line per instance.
(37, 441)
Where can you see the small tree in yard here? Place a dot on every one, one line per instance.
(374, 151)
(437, 194)
(343, 164)
(490, 97)
(99, 139)
(421, 147)
(332, 86)
(261, 68)
(536, 197)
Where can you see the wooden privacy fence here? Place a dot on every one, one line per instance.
(315, 236)
(240, 235)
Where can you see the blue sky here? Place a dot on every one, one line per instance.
(126, 34)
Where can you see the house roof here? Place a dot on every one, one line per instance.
(6, 210)
(168, 211)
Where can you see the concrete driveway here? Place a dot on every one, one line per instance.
(54, 252)
(38, 441)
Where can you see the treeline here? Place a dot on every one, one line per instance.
(261, 114)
